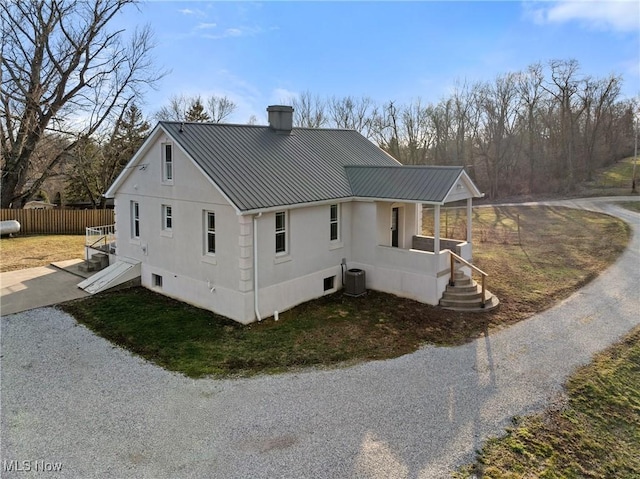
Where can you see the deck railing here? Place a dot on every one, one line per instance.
(102, 238)
(454, 258)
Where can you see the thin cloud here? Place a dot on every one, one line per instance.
(188, 11)
(619, 15)
(205, 26)
(235, 32)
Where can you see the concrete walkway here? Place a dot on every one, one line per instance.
(72, 398)
(37, 287)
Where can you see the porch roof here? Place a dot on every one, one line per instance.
(425, 184)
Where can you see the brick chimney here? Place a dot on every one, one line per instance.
(280, 119)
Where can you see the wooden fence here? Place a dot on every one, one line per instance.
(59, 222)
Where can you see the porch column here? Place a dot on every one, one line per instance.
(436, 229)
(469, 213)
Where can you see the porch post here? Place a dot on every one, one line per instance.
(436, 229)
(469, 213)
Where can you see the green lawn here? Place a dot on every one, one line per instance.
(596, 435)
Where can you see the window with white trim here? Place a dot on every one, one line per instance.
(334, 222)
(167, 162)
(135, 219)
(281, 232)
(210, 232)
(167, 217)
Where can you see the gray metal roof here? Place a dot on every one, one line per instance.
(414, 183)
(258, 168)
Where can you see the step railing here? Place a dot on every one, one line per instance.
(454, 258)
(100, 237)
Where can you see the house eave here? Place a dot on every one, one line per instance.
(332, 201)
(271, 209)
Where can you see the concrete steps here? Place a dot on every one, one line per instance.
(97, 262)
(466, 295)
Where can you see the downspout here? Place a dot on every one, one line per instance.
(255, 266)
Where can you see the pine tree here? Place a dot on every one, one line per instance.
(196, 112)
(98, 162)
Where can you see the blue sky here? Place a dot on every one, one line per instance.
(262, 53)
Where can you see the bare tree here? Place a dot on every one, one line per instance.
(386, 130)
(500, 139)
(418, 132)
(175, 110)
(63, 70)
(598, 97)
(192, 108)
(563, 88)
(353, 113)
(220, 108)
(531, 97)
(309, 111)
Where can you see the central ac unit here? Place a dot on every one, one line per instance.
(354, 282)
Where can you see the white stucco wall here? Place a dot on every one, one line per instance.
(286, 280)
(188, 273)
(224, 282)
(401, 271)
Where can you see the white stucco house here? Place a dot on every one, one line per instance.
(248, 220)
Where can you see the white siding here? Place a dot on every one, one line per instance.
(179, 255)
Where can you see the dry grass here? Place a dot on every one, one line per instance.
(596, 434)
(31, 251)
(536, 256)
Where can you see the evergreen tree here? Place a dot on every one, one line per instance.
(196, 111)
(99, 161)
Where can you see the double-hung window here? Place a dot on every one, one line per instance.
(135, 219)
(167, 162)
(167, 217)
(281, 232)
(334, 223)
(210, 232)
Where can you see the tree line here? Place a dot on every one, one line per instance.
(70, 87)
(541, 130)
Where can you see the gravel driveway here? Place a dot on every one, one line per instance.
(72, 398)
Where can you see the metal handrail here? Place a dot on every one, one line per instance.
(453, 258)
(103, 232)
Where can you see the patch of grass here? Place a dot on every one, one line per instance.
(323, 332)
(536, 255)
(595, 435)
(558, 250)
(631, 205)
(31, 251)
(615, 180)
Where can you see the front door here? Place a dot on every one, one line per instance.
(394, 226)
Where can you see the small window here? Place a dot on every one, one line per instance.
(167, 162)
(329, 283)
(210, 232)
(281, 232)
(334, 223)
(156, 280)
(135, 219)
(167, 217)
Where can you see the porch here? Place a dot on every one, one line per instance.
(413, 258)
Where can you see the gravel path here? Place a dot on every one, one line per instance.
(70, 397)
